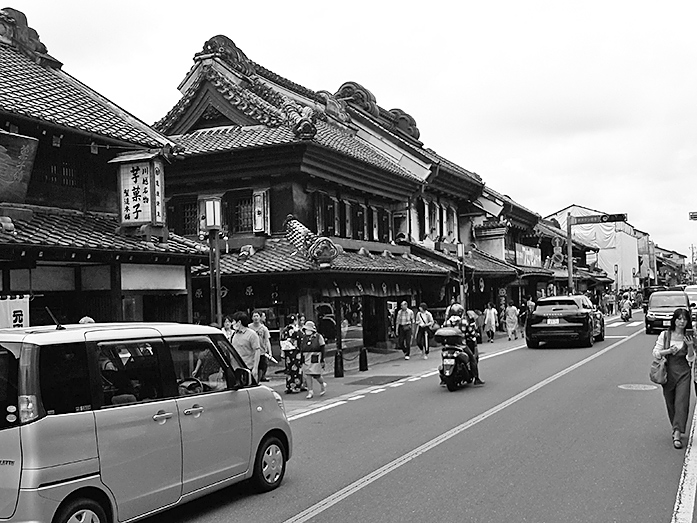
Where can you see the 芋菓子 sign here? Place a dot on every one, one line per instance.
(141, 192)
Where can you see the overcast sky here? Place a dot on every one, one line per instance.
(551, 102)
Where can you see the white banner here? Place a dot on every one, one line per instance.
(14, 312)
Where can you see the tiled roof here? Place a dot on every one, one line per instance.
(50, 227)
(30, 90)
(279, 256)
(220, 139)
(477, 261)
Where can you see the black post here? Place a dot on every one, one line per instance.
(339, 356)
(363, 359)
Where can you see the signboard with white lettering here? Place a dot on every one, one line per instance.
(598, 218)
(17, 155)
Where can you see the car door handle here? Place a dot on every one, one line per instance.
(195, 411)
(162, 416)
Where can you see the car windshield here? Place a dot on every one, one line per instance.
(692, 296)
(669, 300)
(560, 304)
(9, 370)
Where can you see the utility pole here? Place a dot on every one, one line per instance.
(692, 265)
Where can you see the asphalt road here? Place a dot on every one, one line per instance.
(556, 435)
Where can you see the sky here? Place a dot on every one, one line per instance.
(552, 103)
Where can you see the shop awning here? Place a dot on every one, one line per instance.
(533, 272)
(363, 287)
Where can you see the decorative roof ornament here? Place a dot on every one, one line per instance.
(335, 108)
(318, 249)
(221, 46)
(405, 123)
(15, 30)
(302, 119)
(358, 95)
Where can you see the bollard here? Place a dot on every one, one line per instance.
(363, 359)
(338, 364)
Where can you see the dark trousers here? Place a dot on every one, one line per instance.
(422, 334)
(678, 403)
(404, 338)
(473, 355)
(263, 367)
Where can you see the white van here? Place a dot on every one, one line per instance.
(115, 422)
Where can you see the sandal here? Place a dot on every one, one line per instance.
(677, 443)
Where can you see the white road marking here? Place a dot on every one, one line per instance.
(635, 323)
(610, 325)
(398, 384)
(377, 391)
(415, 378)
(614, 337)
(354, 398)
(318, 409)
(363, 482)
(685, 498)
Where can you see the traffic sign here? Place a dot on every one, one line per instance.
(693, 215)
(600, 218)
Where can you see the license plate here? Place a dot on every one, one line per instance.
(448, 361)
(666, 323)
(552, 321)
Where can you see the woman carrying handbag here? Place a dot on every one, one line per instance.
(676, 345)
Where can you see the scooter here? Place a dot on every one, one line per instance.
(626, 314)
(455, 370)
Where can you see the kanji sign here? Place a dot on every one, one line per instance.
(141, 195)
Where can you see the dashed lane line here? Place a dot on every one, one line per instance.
(685, 498)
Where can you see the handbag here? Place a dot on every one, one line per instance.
(658, 372)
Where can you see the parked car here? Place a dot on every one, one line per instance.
(691, 291)
(563, 319)
(110, 422)
(660, 309)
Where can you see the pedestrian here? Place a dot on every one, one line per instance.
(490, 321)
(312, 348)
(227, 327)
(289, 336)
(246, 342)
(404, 322)
(424, 322)
(511, 314)
(265, 341)
(677, 346)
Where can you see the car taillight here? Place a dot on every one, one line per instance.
(28, 409)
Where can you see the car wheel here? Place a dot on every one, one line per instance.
(531, 343)
(81, 510)
(270, 464)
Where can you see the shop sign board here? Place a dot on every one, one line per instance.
(528, 256)
(17, 154)
(141, 192)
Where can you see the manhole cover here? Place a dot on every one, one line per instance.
(637, 386)
(377, 380)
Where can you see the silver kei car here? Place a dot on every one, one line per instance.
(115, 422)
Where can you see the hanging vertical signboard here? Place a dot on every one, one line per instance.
(14, 312)
(17, 155)
(141, 189)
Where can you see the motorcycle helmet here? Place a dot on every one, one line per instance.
(457, 310)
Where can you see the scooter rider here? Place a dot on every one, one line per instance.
(626, 305)
(459, 319)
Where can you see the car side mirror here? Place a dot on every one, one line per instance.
(693, 304)
(238, 378)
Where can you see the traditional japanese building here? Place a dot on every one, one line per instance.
(269, 148)
(64, 238)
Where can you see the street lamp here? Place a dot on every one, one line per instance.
(617, 284)
(212, 218)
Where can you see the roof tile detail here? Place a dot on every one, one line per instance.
(280, 256)
(59, 228)
(51, 95)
